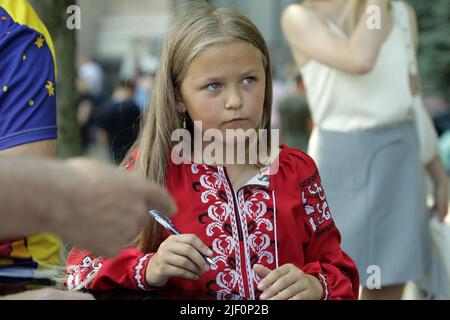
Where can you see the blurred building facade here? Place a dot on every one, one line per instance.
(266, 15)
(113, 29)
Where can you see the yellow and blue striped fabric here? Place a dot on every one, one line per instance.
(27, 77)
(27, 114)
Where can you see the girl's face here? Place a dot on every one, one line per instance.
(224, 87)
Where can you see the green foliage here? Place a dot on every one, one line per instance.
(434, 44)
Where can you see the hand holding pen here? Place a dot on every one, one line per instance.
(180, 255)
(166, 223)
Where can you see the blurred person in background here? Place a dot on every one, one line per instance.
(440, 111)
(140, 64)
(27, 80)
(283, 84)
(143, 90)
(296, 123)
(117, 125)
(27, 121)
(91, 73)
(361, 94)
(86, 113)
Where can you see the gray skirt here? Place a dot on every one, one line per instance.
(374, 184)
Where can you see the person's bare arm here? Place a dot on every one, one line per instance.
(309, 35)
(89, 204)
(45, 148)
(48, 294)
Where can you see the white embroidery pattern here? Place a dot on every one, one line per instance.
(90, 267)
(137, 271)
(256, 210)
(258, 242)
(219, 212)
(237, 273)
(315, 191)
(224, 244)
(325, 286)
(246, 240)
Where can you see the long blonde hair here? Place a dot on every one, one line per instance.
(198, 27)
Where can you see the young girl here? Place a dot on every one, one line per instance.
(270, 236)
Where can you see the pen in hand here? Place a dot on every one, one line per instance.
(166, 223)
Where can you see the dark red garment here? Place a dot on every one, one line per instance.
(272, 220)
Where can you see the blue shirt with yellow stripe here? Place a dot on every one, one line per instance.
(27, 77)
(27, 114)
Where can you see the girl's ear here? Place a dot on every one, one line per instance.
(181, 108)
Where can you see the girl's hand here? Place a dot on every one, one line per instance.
(440, 200)
(439, 176)
(287, 283)
(178, 256)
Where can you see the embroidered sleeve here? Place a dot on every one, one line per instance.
(324, 257)
(81, 274)
(315, 205)
(126, 270)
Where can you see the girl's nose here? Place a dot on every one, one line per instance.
(234, 99)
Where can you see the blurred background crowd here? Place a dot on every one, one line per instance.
(117, 53)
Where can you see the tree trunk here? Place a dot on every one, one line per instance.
(54, 15)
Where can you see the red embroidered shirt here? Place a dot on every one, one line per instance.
(272, 220)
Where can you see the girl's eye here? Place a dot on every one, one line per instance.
(213, 86)
(249, 80)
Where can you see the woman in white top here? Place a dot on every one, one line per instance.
(353, 55)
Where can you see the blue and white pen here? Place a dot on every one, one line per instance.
(166, 223)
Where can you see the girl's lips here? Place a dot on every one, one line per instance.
(235, 120)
